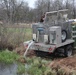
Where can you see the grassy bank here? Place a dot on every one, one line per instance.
(42, 66)
(9, 58)
(33, 65)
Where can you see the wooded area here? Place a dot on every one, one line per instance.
(15, 11)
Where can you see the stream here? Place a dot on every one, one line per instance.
(8, 69)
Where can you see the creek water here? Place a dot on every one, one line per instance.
(8, 69)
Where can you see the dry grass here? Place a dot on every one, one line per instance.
(65, 65)
(13, 36)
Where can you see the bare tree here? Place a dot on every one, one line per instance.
(42, 6)
(11, 9)
(14, 11)
(74, 13)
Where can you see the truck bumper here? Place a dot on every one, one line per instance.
(43, 47)
(40, 47)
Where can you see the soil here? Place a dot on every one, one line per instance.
(68, 64)
(21, 49)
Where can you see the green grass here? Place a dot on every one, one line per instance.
(28, 30)
(8, 57)
(21, 69)
(28, 34)
(21, 33)
(38, 66)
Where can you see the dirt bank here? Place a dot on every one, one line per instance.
(68, 64)
(21, 49)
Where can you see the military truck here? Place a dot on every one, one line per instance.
(54, 34)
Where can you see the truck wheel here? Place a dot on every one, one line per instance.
(64, 35)
(68, 51)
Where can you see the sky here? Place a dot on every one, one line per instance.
(31, 3)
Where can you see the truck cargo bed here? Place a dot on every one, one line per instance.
(46, 47)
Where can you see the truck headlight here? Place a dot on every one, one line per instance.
(45, 38)
(34, 36)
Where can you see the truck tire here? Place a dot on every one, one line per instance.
(64, 35)
(68, 51)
